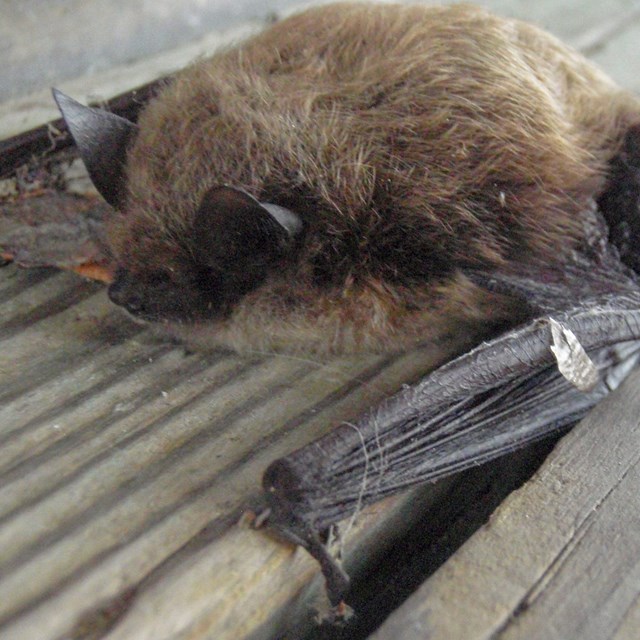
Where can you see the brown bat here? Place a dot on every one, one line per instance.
(376, 177)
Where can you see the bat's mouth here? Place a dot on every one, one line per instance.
(162, 302)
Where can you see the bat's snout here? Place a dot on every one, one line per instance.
(122, 293)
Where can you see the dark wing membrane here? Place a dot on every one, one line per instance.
(488, 402)
(495, 399)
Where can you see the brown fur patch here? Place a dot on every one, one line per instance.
(413, 141)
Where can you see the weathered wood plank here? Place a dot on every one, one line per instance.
(629, 625)
(22, 113)
(619, 54)
(560, 558)
(117, 450)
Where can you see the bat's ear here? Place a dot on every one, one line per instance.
(231, 227)
(102, 139)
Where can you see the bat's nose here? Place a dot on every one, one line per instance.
(121, 292)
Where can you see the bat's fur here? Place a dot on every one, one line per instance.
(413, 141)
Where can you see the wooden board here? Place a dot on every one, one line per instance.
(125, 465)
(560, 558)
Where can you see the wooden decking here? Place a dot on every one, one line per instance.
(126, 465)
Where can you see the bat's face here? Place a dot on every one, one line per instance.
(229, 247)
(187, 259)
(195, 251)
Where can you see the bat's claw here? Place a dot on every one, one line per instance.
(297, 531)
(337, 615)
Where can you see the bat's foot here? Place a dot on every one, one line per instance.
(295, 530)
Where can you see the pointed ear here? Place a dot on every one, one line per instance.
(232, 227)
(102, 139)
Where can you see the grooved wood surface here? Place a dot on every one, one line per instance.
(119, 451)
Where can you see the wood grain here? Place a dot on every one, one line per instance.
(119, 451)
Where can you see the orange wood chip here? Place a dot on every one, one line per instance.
(91, 270)
(94, 271)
